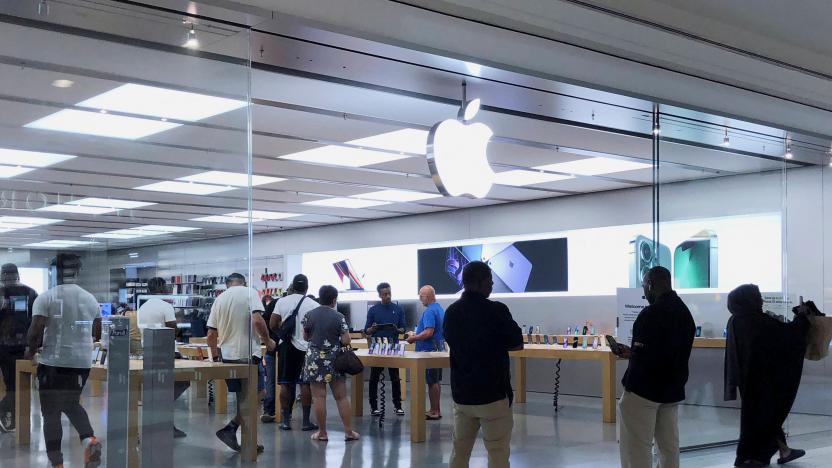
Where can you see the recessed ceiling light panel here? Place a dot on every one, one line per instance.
(237, 179)
(110, 203)
(90, 210)
(264, 215)
(222, 219)
(139, 99)
(520, 178)
(98, 124)
(187, 188)
(344, 202)
(595, 166)
(14, 157)
(396, 196)
(7, 172)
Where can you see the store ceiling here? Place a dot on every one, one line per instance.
(296, 108)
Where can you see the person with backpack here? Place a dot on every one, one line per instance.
(291, 353)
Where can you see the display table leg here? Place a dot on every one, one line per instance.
(608, 388)
(248, 409)
(96, 388)
(403, 382)
(133, 396)
(23, 402)
(357, 392)
(220, 396)
(520, 380)
(201, 388)
(417, 405)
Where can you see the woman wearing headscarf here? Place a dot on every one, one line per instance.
(764, 361)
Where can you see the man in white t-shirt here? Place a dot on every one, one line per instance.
(156, 313)
(291, 355)
(65, 319)
(234, 314)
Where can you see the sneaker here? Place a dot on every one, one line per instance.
(6, 423)
(284, 426)
(310, 427)
(267, 418)
(92, 452)
(375, 412)
(399, 412)
(260, 448)
(178, 433)
(228, 436)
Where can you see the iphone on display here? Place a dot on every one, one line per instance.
(695, 262)
(644, 255)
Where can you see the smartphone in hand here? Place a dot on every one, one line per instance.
(614, 346)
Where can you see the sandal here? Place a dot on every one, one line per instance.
(317, 437)
(794, 455)
(351, 436)
(428, 417)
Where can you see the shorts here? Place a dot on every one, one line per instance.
(433, 376)
(290, 361)
(236, 385)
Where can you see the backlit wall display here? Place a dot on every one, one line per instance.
(357, 272)
(517, 267)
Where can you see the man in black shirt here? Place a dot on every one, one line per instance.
(16, 302)
(654, 383)
(480, 333)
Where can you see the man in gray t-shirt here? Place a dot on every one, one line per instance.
(67, 320)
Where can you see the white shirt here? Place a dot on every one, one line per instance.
(231, 317)
(154, 314)
(285, 307)
(70, 312)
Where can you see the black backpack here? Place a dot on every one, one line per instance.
(287, 327)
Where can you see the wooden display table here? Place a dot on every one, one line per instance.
(603, 354)
(708, 342)
(362, 344)
(417, 363)
(184, 370)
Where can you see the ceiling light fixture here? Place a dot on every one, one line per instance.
(98, 124)
(595, 166)
(520, 178)
(94, 206)
(140, 231)
(236, 179)
(25, 222)
(190, 38)
(368, 151)
(265, 215)
(725, 140)
(62, 83)
(7, 172)
(345, 202)
(59, 244)
(399, 196)
(30, 159)
(185, 188)
(221, 219)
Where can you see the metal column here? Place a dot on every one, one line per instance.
(118, 374)
(157, 398)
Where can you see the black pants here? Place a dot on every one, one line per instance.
(8, 356)
(60, 392)
(375, 373)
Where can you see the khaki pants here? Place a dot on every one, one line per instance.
(496, 420)
(640, 422)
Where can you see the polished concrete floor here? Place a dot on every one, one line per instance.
(573, 437)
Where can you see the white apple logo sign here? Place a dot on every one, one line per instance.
(457, 154)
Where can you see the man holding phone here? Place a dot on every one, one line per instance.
(385, 320)
(654, 383)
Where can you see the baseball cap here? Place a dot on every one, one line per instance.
(8, 269)
(300, 283)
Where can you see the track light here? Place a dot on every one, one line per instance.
(190, 39)
(789, 154)
(725, 140)
(43, 8)
(656, 129)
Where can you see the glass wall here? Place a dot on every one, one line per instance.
(124, 134)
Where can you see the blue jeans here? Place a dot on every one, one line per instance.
(271, 374)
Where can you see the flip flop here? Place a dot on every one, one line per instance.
(794, 455)
(351, 437)
(432, 418)
(317, 437)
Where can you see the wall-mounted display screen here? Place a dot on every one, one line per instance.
(517, 267)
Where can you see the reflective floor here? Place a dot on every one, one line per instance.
(574, 437)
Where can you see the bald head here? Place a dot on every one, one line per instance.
(427, 295)
(656, 282)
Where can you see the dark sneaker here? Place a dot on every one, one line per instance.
(399, 412)
(267, 418)
(92, 453)
(375, 412)
(260, 448)
(228, 436)
(310, 427)
(178, 433)
(284, 426)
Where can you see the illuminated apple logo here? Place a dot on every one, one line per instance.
(457, 154)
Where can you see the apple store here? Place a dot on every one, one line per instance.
(155, 152)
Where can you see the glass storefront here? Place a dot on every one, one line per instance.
(150, 145)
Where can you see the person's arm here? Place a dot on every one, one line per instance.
(370, 325)
(211, 340)
(429, 320)
(346, 339)
(275, 320)
(511, 331)
(170, 317)
(96, 329)
(262, 331)
(402, 323)
(34, 336)
(306, 327)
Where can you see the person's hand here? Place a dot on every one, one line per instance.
(29, 355)
(411, 338)
(271, 345)
(372, 330)
(624, 351)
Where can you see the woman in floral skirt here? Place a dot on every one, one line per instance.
(326, 331)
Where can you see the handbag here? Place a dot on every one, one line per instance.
(287, 327)
(346, 362)
(820, 335)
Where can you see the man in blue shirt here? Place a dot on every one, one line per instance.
(385, 320)
(428, 337)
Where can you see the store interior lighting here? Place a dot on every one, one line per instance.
(152, 101)
(58, 244)
(236, 179)
(345, 202)
(94, 206)
(521, 178)
(98, 124)
(400, 196)
(185, 188)
(365, 151)
(594, 166)
(14, 162)
(11, 223)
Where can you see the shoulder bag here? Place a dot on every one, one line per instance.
(287, 327)
(346, 362)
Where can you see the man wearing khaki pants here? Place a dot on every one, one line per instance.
(480, 333)
(654, 384)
